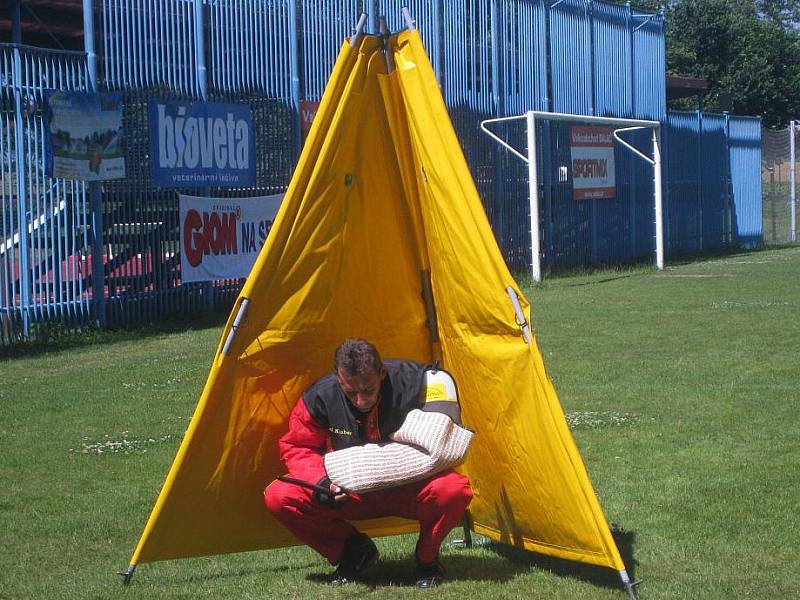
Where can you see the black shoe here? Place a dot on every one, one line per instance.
(429, 575)
(359, 555)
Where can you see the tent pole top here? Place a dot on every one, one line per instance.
(358, 33)
(411, 24)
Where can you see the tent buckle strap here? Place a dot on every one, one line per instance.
(519, 316)
(237, 322)
(127, 574)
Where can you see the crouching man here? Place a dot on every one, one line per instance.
(364, 402)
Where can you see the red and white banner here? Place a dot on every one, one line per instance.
(221, 237)
(592, 153)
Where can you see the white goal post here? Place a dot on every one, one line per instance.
(533, 184)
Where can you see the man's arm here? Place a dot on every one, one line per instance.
(302, 447)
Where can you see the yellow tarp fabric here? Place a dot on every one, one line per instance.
(381, 194)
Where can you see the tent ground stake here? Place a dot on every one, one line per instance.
(630, 586)
(467, 541)
(126, 575)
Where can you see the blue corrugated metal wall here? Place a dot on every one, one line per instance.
(592, 46)
(713, 191)
(570, 36)
(744, 143)
(492, 58)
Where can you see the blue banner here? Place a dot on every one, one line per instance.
(197, 144)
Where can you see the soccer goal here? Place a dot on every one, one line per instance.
(590, 168)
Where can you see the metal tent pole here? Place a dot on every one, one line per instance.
(359, 31)
(411, 24)
(630, 586)
(387, 51)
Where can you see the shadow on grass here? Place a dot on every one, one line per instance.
(599, 576)
(402, 572)
(507, 563)
(54, 337)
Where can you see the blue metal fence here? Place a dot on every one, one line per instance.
(744, 145)
(44, 222)
(713, 188)
(492, 58)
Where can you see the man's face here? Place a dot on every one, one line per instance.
(362, 390)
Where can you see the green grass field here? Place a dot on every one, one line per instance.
(681, 388)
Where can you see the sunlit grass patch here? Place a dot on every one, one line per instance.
(681, 393)
(733, 304)
(593, 419)
(121, 444)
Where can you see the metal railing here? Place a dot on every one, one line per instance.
(108, 253)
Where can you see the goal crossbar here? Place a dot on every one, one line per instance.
(621, 125)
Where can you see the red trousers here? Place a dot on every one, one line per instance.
(437, 503)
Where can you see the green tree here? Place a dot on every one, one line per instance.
(749, 49)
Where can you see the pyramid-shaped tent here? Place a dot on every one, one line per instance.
(381, 214)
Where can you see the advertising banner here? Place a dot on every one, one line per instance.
(308, 110)
(221, 237)
(592, 154)
(197, 144)
(84, 136)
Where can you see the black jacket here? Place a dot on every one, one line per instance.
(401, 392)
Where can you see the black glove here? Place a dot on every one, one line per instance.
(326, 499)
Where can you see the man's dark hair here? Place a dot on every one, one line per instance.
(357, 356)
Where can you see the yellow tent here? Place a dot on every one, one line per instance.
(381, 235)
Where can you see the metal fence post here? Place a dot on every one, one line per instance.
(632, 164)
(16, 21)
(727, 234)
(792, 174)
(498, 91)
(201, 72)
(22, 195)
(700, 224)
(594, 203)
(95, 190)
(294, 67)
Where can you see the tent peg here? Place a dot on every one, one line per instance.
(630, 586)
(127, 574)
(466, 542)
(358, 33)
(411, 24)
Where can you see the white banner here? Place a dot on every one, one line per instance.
(592, 153)
(221, 237)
